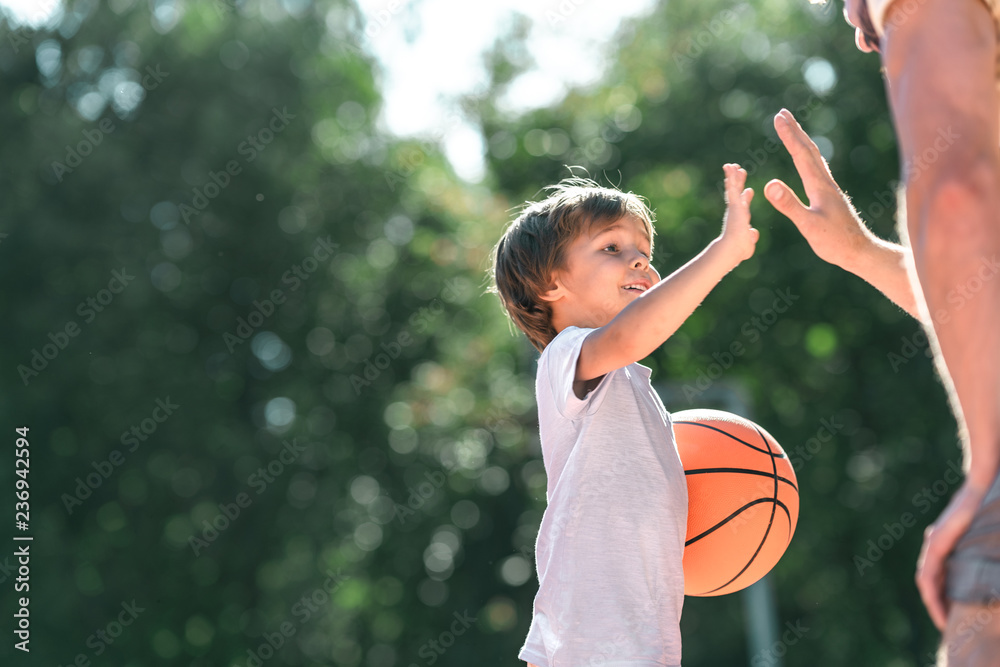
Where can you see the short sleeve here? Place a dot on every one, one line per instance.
(557, 369)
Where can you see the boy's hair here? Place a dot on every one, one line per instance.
(534, 245)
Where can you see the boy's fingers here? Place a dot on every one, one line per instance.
(736, 178)
(786, 201)
(732, 189)
(741, 177)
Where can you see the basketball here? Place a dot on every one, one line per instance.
(743, 500)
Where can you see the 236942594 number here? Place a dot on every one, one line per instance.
(21, 467)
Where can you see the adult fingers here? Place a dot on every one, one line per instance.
(805, 154)
(930, 578)
(940, 540)
(786, 201)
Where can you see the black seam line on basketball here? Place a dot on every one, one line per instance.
(728, 519)
(770, 522)
(774, 467)
(780, 504)
(788, 515)
(747, 471)
(719, 430)
(767, 444)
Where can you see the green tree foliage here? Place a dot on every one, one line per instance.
(258, 219)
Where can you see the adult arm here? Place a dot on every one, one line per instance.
(940, 63)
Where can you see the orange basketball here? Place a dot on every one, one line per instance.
(743, 500)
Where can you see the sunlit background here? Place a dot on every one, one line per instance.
(429, 55)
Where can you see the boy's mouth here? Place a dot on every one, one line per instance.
(639, 287)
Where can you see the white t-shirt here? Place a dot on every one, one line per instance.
(611, 542)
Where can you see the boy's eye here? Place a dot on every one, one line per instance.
(614, 248)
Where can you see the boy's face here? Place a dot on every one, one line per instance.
(603, 272)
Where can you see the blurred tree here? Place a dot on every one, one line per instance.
(208, 424)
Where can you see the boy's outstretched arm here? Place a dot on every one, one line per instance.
(643, 325)
(830, 224)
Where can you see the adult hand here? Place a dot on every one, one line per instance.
(940, 539)
(830, 224)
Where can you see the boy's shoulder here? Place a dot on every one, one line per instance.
(565, 342)
(556, 369)
(568, 335)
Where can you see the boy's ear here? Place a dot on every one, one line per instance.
(554, 290)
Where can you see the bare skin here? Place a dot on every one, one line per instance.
(949, 139)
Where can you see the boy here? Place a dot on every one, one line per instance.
(573, 272)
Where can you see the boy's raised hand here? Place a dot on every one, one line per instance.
(830, 224)
(737, 234)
